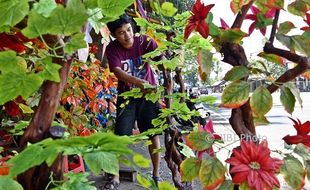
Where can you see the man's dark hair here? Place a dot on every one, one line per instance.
(123, 19)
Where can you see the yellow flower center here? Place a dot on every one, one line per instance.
(254, 165)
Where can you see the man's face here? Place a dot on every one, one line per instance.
(124, 35)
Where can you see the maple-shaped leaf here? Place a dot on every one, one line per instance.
(197, 20)
(260, 20)
(307, 20)
(303, 133)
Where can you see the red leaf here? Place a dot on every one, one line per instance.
(224, 25)
(11, 108)
(307, 20)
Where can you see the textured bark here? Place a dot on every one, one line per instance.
(37, 178)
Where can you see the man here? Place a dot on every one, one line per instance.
(125, 61)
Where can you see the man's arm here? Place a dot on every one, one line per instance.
(125, 77)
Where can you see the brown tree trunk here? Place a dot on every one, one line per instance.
(37, 178)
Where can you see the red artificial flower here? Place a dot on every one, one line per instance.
(12, 109)
(209, 128)
(303, 133)
(256, 11)
(251, 163)
(197, 20)
(307, 20)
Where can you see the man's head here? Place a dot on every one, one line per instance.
(121, 29)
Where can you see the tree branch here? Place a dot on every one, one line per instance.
(241, 15)
(274, 26)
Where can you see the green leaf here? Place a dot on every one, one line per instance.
(237, 73)
(308, 169)
(303, 151)
(213, 29)
(165, 185)
(106, 161)
(186, 151)
(227, 185)
(272, 58)
(212, 173)
(298, 7)
(12, 63)
(37, 25)
(199, 140)
(33, 155)
(301, 43)
(204, 59)
(65, 20)
(235, 94)
(9, 183)
(190, 168)
(76, 181)
(15, 84)
(12, 11)
(285, 27)
(293, 172)
(167, 9)
(295, 91)
(44, 7)
(50, 70)
(262, 21)
(261, 101)
(112, 8)
(146, 183)
(25, 108)
(76, 42)
(95, 19)
(287, 99)
(232, 36)
(141, 161)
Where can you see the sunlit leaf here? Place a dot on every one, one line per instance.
(15, 84)
(98, 161)
(112, 8)
(285, 27)
(25, 108)
(287, 99)
(44, 7)
(13, 11)
(190, 169)
(212, 173)
(204, 59)
(143, 181)
(141, 161)
(293, 172)
(50, 70)
(37, 25)
(9, 183)
(12, 63)
(236, 5)
(235, 94)
(165, 185)
(237, 73)
(303, 151)
(65, 20)
(272, 58)
(261, 101)
(186, 151)
(295, 91)
(167, 9)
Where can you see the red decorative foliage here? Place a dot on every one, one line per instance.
(252, 164)
(209, 128)
(303, 133)
(12, 109)
(307, 20)
(256, 11)
(197, 20)
(8, 41)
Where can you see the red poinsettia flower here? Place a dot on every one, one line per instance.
(303, 133)
(269, 14)
(251, 163)
(209, 128)
(197, 20)
(307, 20)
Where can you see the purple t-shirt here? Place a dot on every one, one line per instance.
(130, 60)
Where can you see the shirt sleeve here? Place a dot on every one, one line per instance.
(113, 58)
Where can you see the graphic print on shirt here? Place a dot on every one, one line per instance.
(134, 67)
